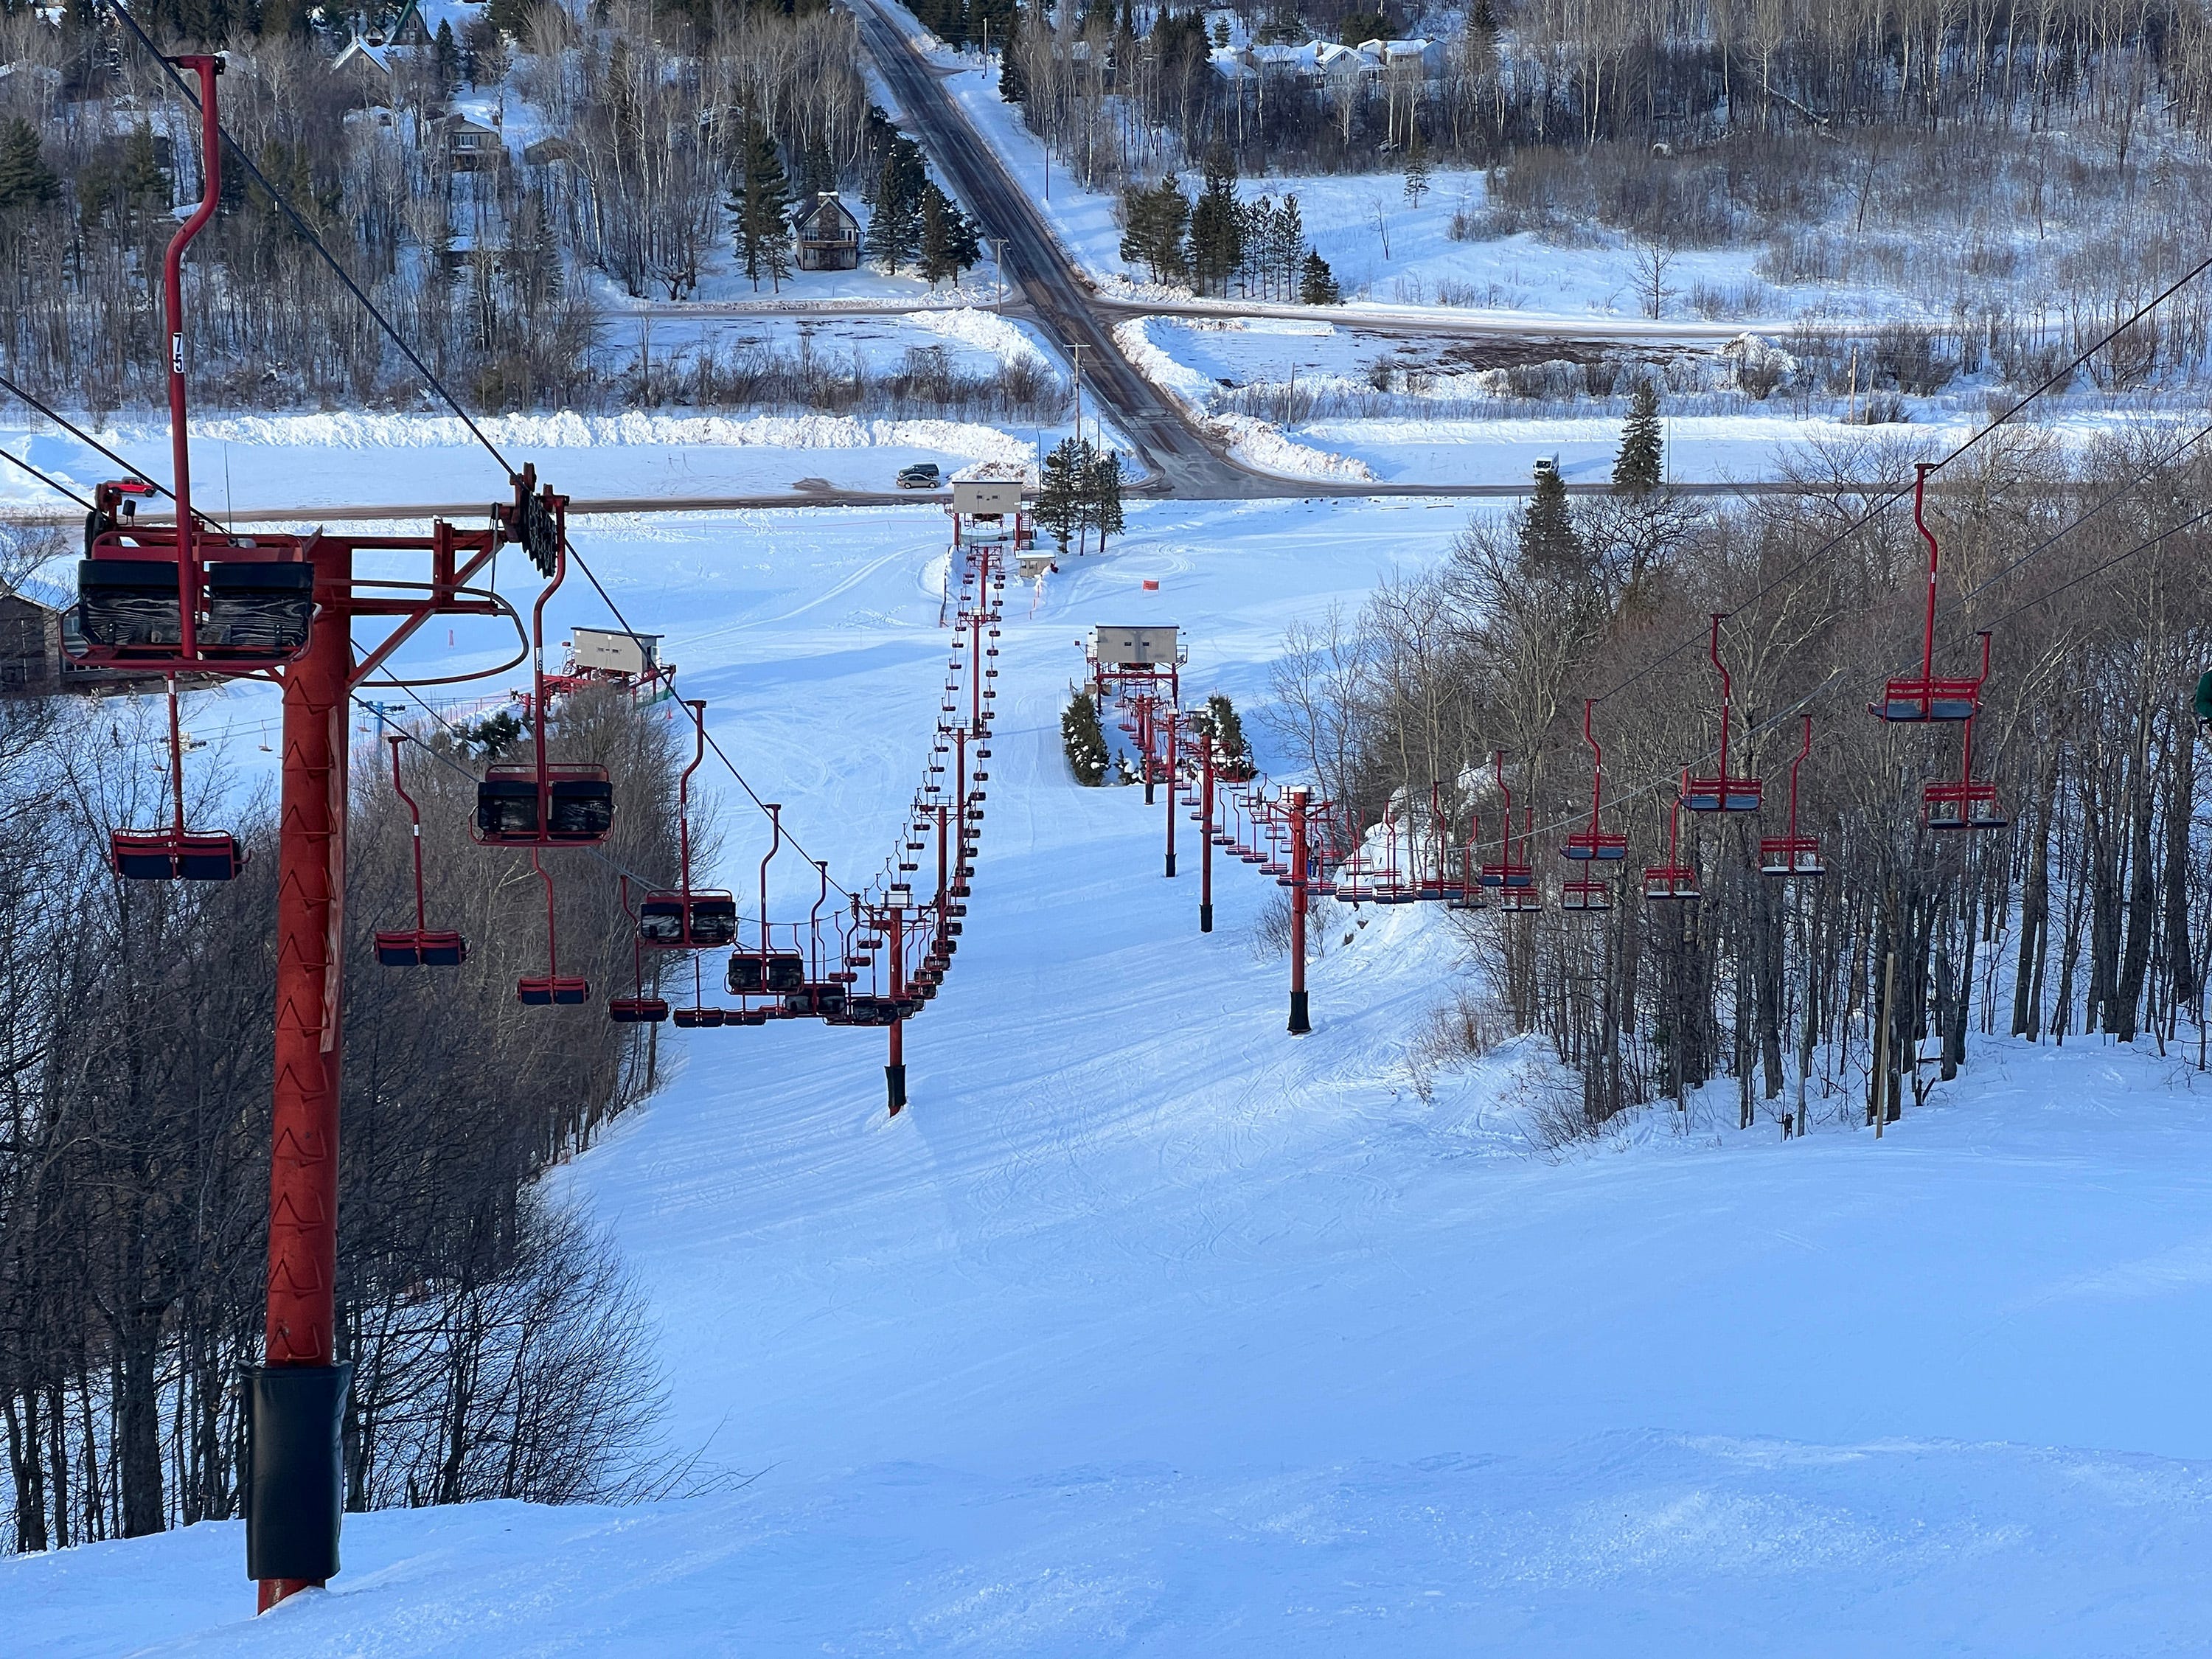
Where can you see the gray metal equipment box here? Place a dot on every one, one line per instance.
(610, 652)
(1133, 647)
(986, 497)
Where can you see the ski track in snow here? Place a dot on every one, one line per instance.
(1149, 1331)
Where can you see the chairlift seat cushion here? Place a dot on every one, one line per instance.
(262, 606)
(163, 855)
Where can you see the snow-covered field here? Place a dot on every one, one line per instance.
(1149, 1330)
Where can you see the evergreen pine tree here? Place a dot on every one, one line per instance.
(895, 223)
(445, 55)
(144, 180)
(1157, 221)
(1640, 466)
(1084, 740)
(1059, 509)
(936, 246)
(760, 205)
(1101, 494)
(816, 171)
(1290, 246)
(1417, 176)
(1317, 283)
(1232, 754)
(26, 180)
(1013, 84)
(1550, 545)
(1217, 229)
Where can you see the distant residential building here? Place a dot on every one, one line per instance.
(471, 146)
(369, 66)
(30, 644)
(828, 235)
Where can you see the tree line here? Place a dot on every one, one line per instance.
(668, 133)
(1220, 238)
(2084, 916)
(498, 1348)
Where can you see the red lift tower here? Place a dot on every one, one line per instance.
(189, 598)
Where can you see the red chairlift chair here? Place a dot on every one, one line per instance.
(1968, 803)
(1275, 861)
(1593, 843)
(1434, 876)
(551, 987)
(688, 918)
(638, 1008)
(1793, 854)
(1468, 896)
(1508, 874)
(1924, 697)
(544, 803)
(1515, 897)
(422, 946)
(175, 853)
(1673, 879)
(187, 595)
(767, 971)
(1586, 893)
(1721, 792)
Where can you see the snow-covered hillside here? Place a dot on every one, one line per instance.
(1149, 1330)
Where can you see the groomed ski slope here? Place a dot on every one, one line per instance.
(1150, 1331)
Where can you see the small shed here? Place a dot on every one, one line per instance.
(828, 235)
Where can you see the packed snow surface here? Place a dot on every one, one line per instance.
(1149, 1330)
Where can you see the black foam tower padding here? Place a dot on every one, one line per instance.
(1299, 1024)
(295, 1481)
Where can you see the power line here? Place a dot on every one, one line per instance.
(93, 444)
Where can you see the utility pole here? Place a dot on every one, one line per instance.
(998, 269)
(1077, 349)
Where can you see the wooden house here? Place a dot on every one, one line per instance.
(828, 235)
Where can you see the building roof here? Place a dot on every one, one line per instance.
(359, 53)
(829, 205)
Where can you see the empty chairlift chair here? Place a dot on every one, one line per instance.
(557, 804)
(1793, 854)
(175, 853)
(1721, 791)
(1511, 873)
(551, 988)
(1674, 879)
(421, 946)
(1967, 802)
(1924, 697)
